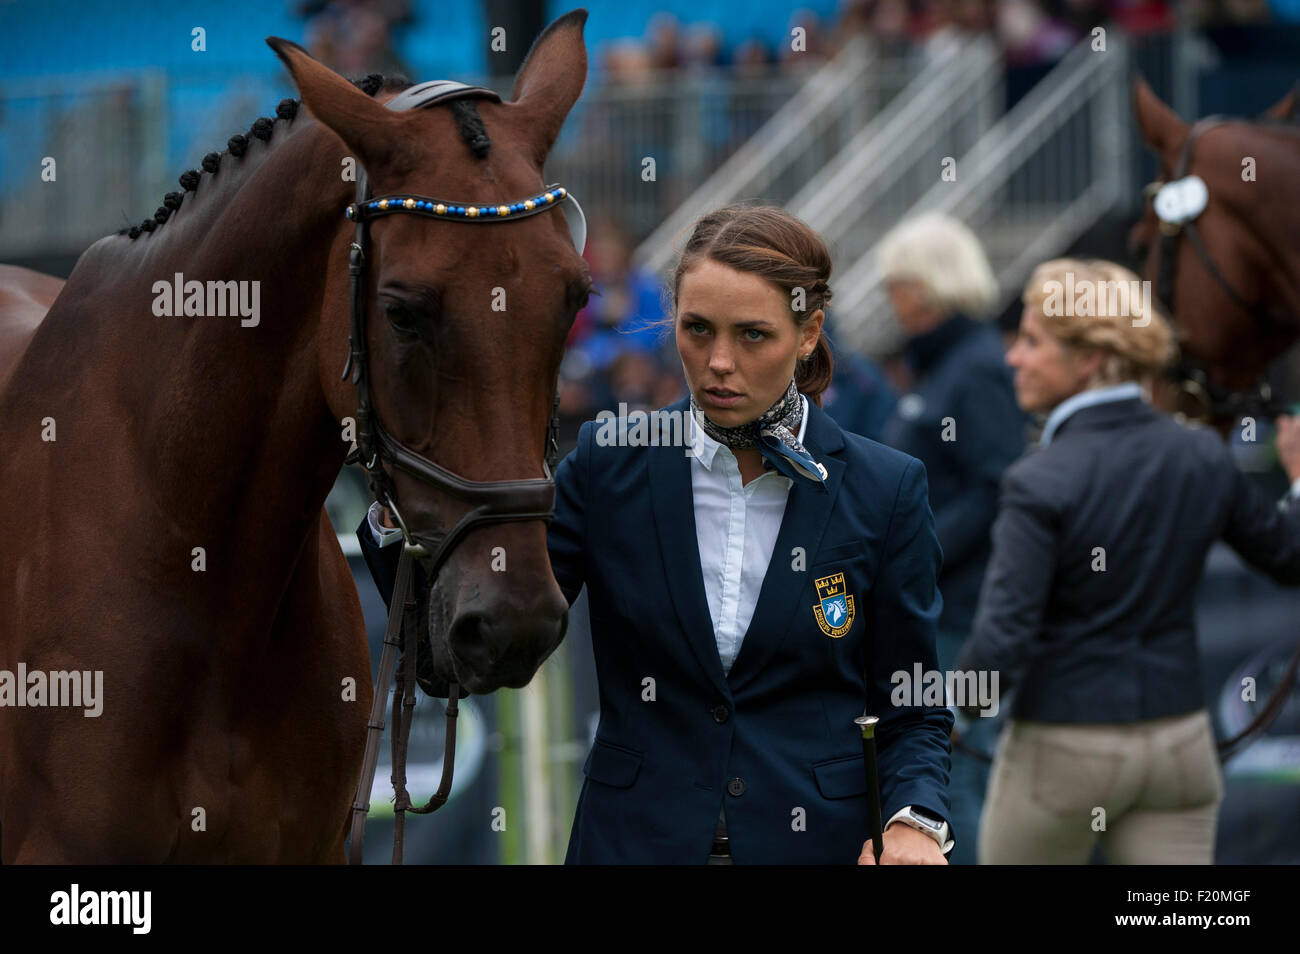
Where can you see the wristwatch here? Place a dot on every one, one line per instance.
(936, 828)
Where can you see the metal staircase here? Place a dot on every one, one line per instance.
(1036, 181)
(800, 139)
(893, 159)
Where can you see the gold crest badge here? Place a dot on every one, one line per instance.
(834, 607)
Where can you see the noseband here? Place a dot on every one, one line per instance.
(1178, 203)
(490, 501)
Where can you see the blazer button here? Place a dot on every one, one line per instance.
(736, 787)
(720, 713)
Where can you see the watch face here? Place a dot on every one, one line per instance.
(928, 820)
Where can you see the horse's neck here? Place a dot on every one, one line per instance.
(1271, 206)
(1284, 224)
(219, 422)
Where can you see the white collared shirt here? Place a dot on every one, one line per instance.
(736, 526)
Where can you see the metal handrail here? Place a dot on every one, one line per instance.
(777, 145)
(1084, 80)
(898, 136)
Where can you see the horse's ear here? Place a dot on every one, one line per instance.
(551, 78)
(1284, 109)
(361, 122)
(1160, 126)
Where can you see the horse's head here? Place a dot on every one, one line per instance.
(1211, 237)
(465, 328)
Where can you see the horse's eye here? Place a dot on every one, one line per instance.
(400, 317)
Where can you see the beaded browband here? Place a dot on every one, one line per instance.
(438, 208)
(553, 197)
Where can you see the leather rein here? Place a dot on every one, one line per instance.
(492, 501)
(1178, 202)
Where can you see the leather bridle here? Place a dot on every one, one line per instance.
(491, 501)
(1177, 218)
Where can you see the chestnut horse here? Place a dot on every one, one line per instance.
(1220, 233)
(1222, 255)
(164, 472)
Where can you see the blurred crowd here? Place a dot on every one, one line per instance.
(356, 37)
(360, 36)
(1030, 31)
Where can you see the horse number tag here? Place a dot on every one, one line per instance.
(834, 607)
(1181, 201)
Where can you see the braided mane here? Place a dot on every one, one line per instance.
(468, 123)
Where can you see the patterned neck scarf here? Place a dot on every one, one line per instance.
(773, 433)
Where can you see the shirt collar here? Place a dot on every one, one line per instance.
(1093, 396)
(707, 447)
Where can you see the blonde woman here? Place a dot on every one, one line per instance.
(1087, 610)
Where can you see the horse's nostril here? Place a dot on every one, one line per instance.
(468, 645)
(491, 652)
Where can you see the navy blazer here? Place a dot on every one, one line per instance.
(1090, 642)
(961, 374)
(774, 739)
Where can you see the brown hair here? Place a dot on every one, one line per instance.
(1135, 338)
(769, 242)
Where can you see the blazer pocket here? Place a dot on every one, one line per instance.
(841, 778)
(612, 764)
(844, 551)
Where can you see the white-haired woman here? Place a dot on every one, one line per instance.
(961, 420)
(1088, 606)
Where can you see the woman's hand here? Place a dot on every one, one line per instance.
(1288, 445)
(904, 845)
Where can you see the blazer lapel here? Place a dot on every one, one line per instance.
(674, 511)
(807, 514)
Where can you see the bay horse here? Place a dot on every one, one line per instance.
(165, 472)
(1219, 230)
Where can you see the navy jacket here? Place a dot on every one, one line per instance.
(961, 374)
(774, 739)
(1087, 644)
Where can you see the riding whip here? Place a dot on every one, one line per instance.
(868, 724)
